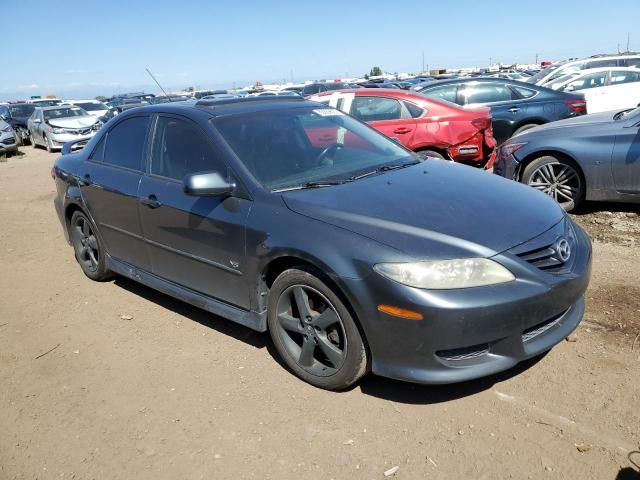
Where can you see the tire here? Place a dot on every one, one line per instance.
(47, 144)
(524, 128)
(429, 153)
(558, 177)
(32, 137)
(322, 346)
(88, 248)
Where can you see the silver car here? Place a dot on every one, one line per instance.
(52, 127)
(8, 143)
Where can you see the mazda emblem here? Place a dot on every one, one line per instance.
(563, 249)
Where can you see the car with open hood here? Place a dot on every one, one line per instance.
(52, 127)
(355, 255)
(16, 115)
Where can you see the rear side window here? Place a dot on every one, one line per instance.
(593, 80)
(181, 148)
(125, 143)
(372, 109)
(621, 76)
(602, 63)
(630, 62)
(98, 152)
(524, 92)
(414, 110)
(486, 93)
(445, 92)
(310, 90)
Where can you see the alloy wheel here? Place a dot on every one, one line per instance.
(86, 244)
(311, 330)
(558, 180)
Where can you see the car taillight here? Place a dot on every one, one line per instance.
(481, 123)
(577, 106)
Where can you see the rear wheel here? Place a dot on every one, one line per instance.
(559, 178)
(429, 153)
(88, 248)
(314, 332)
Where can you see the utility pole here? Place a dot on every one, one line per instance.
(627, 41)
(291, 72)
(490, 62)
(422, 62)
(536, 58)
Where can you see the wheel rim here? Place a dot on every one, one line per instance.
(558, 180)
(311, 330)
(86, 244)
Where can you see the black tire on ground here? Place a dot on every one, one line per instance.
(88, 248)
(524, 128)
(430, 153)
(558, 177)
(313, 331)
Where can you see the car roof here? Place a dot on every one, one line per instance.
(510, 81)
(55, 107)
(227, 106)
(385, 92)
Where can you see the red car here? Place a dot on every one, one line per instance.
(428, 127)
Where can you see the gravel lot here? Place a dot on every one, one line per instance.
(136, 385)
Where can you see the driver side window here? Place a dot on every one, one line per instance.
(181, 148)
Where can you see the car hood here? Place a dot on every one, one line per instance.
(73, 122)
(435, 209)
(593, 119)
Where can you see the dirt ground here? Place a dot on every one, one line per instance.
(136, 385)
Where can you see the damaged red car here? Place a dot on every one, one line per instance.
(429, 127)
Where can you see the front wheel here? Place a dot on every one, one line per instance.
(314, 332)
(47, 144)
(559, 178)
(88, 249)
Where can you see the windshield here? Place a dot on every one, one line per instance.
(47, 103)
(91, 106)
(541, 74)
(22, 110)
(64, 113)
(292, 147)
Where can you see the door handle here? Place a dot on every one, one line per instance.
(151, 201)
(402, 130)
(514, 109)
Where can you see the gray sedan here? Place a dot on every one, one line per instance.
(8, 143)
(593, 157)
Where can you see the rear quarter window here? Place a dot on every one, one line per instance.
(125, 143)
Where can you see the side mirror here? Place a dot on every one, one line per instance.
(569, 88)
(209, 184)
(37, 120)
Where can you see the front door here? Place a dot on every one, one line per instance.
(110, 184)
(196, 242)
(625, 161)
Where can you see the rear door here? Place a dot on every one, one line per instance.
(110, 188)
(507, 108)
(593, 87)
(387, 115)
(196, 242)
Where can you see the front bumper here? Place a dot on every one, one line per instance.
(8, 142)
(59, 139)
(470, 333)
(505, 164)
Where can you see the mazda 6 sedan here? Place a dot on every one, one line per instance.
(356, 255)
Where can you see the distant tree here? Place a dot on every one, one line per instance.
(366, 76)
(375, 72)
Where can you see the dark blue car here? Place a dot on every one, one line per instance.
(289, 216)
(515, 106)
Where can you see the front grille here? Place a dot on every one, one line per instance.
(543, 251)
(540, 328)
(545, 258)
(465, 353)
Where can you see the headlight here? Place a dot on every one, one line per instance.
(446, 274)
(512, 148)
(56, 130)
(7, 129)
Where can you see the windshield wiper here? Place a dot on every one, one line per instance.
(318, 184)
(385, 168)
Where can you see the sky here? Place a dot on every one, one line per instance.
(86, 48)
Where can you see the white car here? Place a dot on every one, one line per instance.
(547, 75)
(52, 127)
(95, 108)
(604, 89)
(45, 102)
